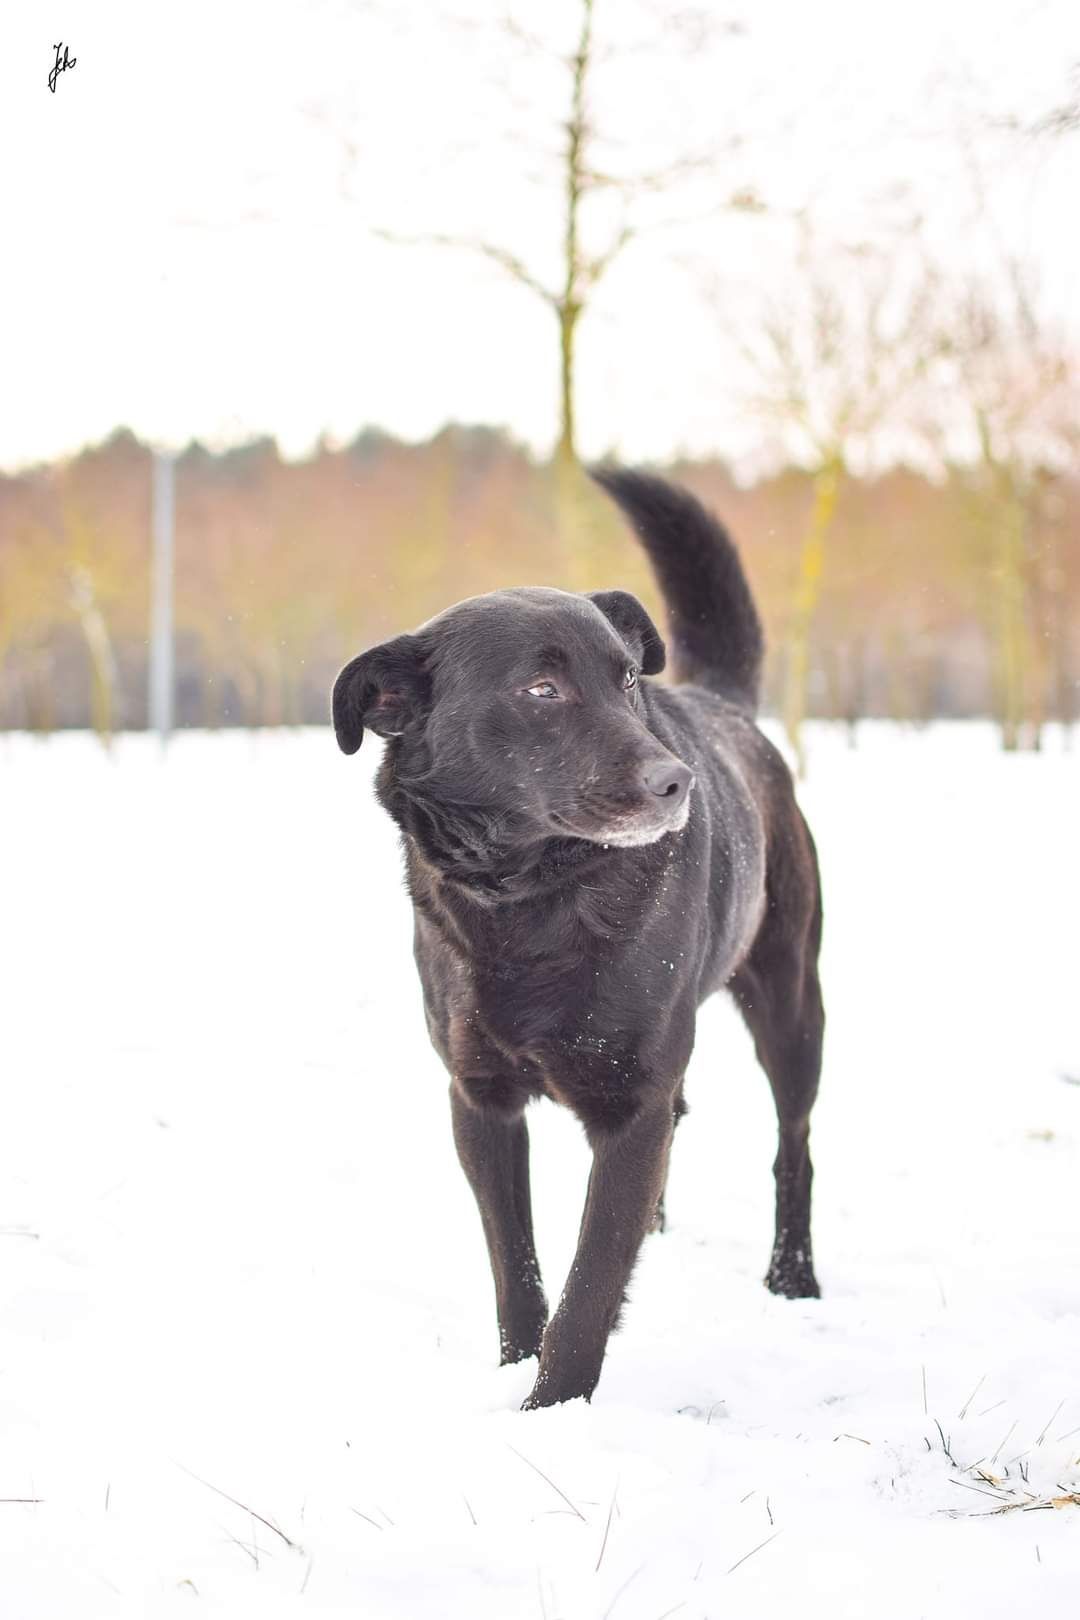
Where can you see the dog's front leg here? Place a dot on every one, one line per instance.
(493, 1147)
(627, 1178)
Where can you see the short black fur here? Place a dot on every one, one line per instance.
(589, 856)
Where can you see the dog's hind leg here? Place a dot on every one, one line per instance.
(779, 996)
(493, 1146)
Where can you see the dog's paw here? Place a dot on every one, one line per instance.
(541, 1394)
(559, 1382)
(546, 1395)
(792, 1280)
(526, 1350)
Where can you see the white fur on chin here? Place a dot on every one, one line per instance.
(632, 837)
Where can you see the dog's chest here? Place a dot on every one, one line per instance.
(561, 1039)
(568, 990)
(529, 1001)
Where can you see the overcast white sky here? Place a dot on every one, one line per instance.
(178, 256)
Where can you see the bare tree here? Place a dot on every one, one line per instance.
(1010, 402)
(832, 374)
(604, 203)
(78, 562)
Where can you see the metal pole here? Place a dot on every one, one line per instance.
(161, 603)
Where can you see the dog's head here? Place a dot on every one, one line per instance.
(525, 707)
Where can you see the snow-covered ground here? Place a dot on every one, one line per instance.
(238, 1376)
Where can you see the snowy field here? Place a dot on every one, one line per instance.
(238, 1378)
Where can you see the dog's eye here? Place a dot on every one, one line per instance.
(543, 689)
(630, 680)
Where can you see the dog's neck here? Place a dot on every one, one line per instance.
(474, 854)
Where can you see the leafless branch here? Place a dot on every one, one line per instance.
(489, 250)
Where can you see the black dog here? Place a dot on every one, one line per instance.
(589, 856)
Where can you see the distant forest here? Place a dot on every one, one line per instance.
(918, 598)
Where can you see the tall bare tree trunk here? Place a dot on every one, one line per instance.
(826, 486)
(5, 707)
(1006, 518)
(569, 303)
(103, 677)
(566, 449)
(1011, 620)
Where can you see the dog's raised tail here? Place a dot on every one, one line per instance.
(715, 633)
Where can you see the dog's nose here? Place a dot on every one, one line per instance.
(670, 780)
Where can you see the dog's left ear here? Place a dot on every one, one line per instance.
(632, 622)
(385, 690)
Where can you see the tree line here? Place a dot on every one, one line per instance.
(956, 594)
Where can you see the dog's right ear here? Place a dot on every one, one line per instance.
(384, 690)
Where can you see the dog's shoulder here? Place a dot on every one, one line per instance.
(721, 734)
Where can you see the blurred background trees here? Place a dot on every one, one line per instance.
(953, 591)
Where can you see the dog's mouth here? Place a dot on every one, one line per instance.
(624, 829)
